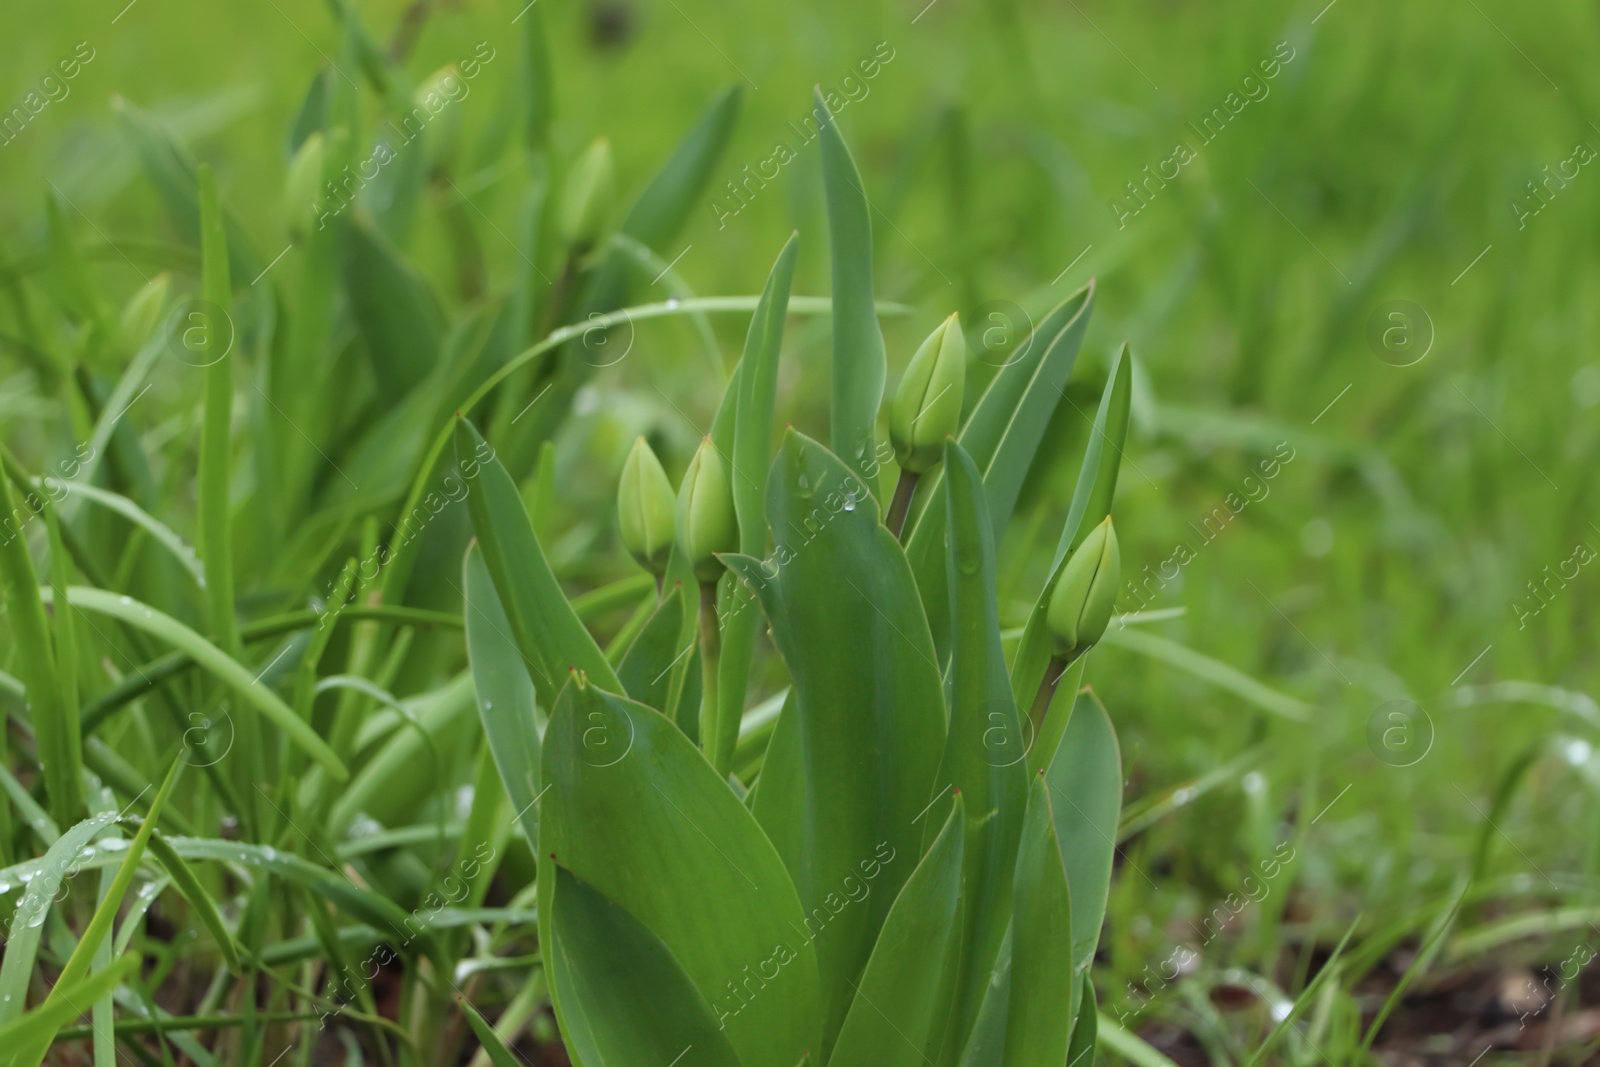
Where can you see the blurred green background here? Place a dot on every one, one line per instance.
(1442, 448)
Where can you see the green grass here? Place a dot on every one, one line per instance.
(1383, 561)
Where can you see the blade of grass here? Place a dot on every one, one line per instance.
(188, 885)
(1209, 670)
(1307, 995)
(226, 669)
(493, 1047)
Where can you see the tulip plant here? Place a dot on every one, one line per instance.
(901, 865)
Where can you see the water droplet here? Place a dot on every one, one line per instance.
(672, 303)
(1577, 752)
(850, 502)
(125, 599)
(1180, 797)
(1253, 782)
(111, 844)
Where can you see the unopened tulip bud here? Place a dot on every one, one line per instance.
(302, 186)
(927, 405)
(437, 98)
(1080, 607)
(586, 199)
(706, 522)
(644, 509)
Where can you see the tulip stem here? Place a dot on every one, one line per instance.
(1047, 691)
(710, 662)
(901, 504)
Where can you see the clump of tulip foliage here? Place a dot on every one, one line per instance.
(903, 856)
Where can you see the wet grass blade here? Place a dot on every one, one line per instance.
(187, 884)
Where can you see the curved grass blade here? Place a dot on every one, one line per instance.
(543, 625)
(869, 720)
(1209, 670)
(901, 1007)
(1002, 437)
(186, 883)
(226, 669)
(504, 692)
(163, 534)
(635, 811)
(625, 998)
(1043, 979)
(985, 752)
(1080, 1053)
(860, 364)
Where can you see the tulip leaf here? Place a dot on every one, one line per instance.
(1085, 780)
(859, 362)
(395, 311)
(636, 811)
(1042, 976)
(901, 1007)
(757, 384)
(504, 691)
(1080, 1053)
(543, 625)
(647, 668)
(845, 617)
(985, 751)
(675, 191)
(1002, 435)
(626, 1000)
(1091, 503)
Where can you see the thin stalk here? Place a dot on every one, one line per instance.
(904, 489)
(1047, 692)
(710, 670)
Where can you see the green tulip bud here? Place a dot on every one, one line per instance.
(1080, 607)
(644, 509)
(437, 98)
(706, 522)
(586, 200)
(927, 405)
(143, 312)
(302, 187)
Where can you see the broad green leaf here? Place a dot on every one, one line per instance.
(901, 1007)
(395, 310)
(1002, 437)
(34, 662)
(625, 998)
(859, 362)
(505, 693)
(43, 879)
(634, 810)
(647, 667)
(869, 716)
(1091, 503)
(1085, 780)
(493, 1047)
(757, 383)
(543, 625)
(1080, 1053)
(224, 667)
(1038, 1030)
(985, 751)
